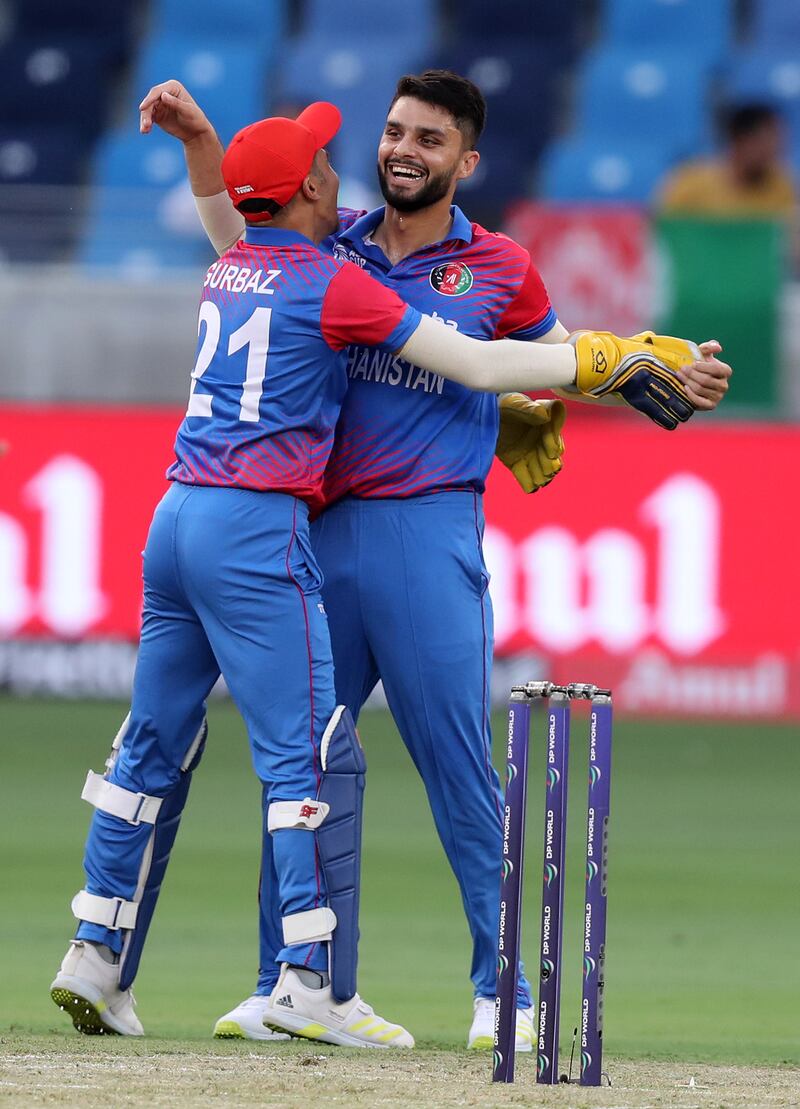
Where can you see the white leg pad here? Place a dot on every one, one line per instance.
(313, 926)
(307, 814)
(110, 912)
(135, 808)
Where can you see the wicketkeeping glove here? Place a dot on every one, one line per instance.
(529, 442)
(642, 370)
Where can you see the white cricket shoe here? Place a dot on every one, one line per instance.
(316, 1015)
(246, 1022)
(481, 1033)
(87, 987)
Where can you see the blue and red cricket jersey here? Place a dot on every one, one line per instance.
(276, 315)
(405, 431)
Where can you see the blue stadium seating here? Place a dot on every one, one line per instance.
(360, 78)
(646, 95)
(228, 80)
(40, 155)
(529, 21)
(107, 25)
(130, 226)
(128, 159)
(55, 80)
(577, 169)
(519, 83)
(502, 175)
(343, 21)
(702, 27)
(260, 23)
(135, 240)
(776, 23)
(38, 224)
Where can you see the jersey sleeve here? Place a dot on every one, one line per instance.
(357, 309)
(530, 314)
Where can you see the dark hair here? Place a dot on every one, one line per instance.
(743, 119)
(457, 95)
(256, 205)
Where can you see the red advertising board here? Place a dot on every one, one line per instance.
(662, 564)
(599, 263)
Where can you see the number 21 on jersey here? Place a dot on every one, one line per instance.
(253, 334)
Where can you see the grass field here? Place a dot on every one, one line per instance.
(703, 944)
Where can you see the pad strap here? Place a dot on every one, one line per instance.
(110, 912)
(117, 743)
(313, 926)
(307, 814)
(195, 746)
(135, 808)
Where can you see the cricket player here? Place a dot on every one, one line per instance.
(399, 542)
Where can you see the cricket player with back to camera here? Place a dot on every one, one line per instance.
(232, 586)
(399, 541)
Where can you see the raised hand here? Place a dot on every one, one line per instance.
(175, 111)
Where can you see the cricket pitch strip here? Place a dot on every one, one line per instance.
(56, 1070)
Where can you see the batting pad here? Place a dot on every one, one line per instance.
(339, 843)
(156, 857)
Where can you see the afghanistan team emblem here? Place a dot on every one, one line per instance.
(453, 279)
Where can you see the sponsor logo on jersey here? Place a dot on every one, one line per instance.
(239, 189)
(345, 255)
(452, 279)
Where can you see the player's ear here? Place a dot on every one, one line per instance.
(315, 178)
(469, 163)
(310, 186)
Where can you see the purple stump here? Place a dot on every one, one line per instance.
(505, 1013)
(555, 839)
(594, 933)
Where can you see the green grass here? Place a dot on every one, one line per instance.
(704, 935)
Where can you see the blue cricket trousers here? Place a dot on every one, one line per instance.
(406, 592)
(231, 585)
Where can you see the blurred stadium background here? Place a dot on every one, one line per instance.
(665, 565)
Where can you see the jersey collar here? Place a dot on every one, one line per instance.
(359, 232)
(275, 236)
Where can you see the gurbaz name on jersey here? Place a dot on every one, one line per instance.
(240, 279)
(373, 364)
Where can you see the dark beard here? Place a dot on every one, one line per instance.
(434, 189)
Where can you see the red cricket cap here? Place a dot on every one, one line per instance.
(270, 159)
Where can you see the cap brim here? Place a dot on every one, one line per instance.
(323, 120)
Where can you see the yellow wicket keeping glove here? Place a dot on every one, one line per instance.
(529, 442)
(642, 370)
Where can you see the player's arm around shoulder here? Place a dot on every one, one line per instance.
(644, 369)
